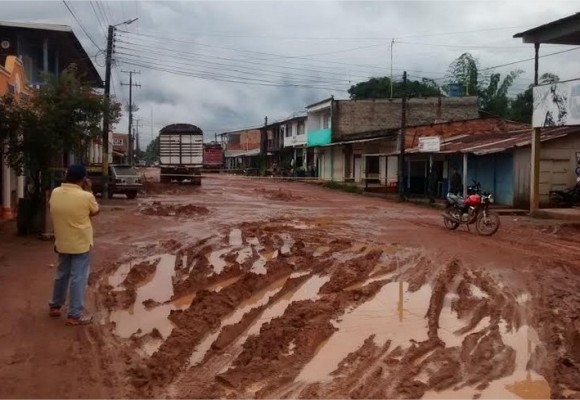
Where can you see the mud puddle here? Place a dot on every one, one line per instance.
(158, 289)
(147, 316)
(393, 314)
(257, 300)
(522, 384)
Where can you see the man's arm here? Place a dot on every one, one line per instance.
(93, 206)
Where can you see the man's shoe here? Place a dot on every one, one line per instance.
(54, 312)
(82, 320)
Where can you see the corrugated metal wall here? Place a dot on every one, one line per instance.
(495, 173)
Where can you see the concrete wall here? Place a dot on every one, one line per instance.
(352, 117)
(291, 137)
(557, 169)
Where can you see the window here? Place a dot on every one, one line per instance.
(326, 121)
(289, 130)
(301, 128)
(11, 89)
(118, 142)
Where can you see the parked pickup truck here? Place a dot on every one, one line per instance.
(123, 179)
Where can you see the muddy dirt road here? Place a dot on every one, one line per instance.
(255, 288)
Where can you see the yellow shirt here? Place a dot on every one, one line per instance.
(70, 209)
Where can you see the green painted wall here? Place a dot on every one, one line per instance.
(318, 138)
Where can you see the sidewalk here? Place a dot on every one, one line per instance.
(568, 214)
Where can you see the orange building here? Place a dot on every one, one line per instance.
(12, 81)
(27, 51)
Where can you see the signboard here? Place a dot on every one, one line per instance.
(557, 104)
(429, 144)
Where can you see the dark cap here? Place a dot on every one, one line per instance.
(76, 173)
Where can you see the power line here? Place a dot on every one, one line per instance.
(464, 46)
(102, 26)
(302, 65)
(221, 79)
(215, 74)
(81, 25)
(334, 38)
(276, 56)
(530, 59)
(180, 53)
(232, 68)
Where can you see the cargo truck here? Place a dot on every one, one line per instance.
(213, 157)
(181, 153)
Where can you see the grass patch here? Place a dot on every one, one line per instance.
(343, 186)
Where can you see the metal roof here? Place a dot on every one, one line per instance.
(562, 31)
(242, 153)
(489, 143)
(69, 46)
(39, 26)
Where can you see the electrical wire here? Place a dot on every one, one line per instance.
(215, 78)
(277, 56)
(98, 18)
(81, 25)
(180, 54)
(340, 38)
(121, 50)
(301, 78)
(214, 74)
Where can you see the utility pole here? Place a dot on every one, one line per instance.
(107, 98)
(392, 43)
(402, 134)
(136, 130)
(129, 129)
(106, 121)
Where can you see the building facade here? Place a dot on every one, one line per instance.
(29, 51)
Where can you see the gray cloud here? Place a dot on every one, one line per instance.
(331, 44)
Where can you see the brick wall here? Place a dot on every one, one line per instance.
(245, 140)
(353, 118)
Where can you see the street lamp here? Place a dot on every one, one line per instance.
(106, 122)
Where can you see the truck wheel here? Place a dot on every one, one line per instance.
(132, 195)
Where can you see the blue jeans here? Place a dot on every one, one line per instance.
(74, 268)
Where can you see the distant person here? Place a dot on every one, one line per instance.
(432, 181)
(71, 207)
(456, 183)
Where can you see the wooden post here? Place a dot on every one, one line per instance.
(464, 174)
(402, 133)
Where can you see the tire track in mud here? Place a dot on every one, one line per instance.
(409, 327)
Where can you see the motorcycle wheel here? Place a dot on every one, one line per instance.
(448, 222)
(487, 225)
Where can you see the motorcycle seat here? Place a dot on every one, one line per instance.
(455, 199)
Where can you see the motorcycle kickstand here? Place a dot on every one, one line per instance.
(468, 229)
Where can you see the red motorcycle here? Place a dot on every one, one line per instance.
(472, 209)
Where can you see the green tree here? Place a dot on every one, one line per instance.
(152, 152)
(380, 88)
(464, 71)
(493, 99)
(521, 108)
(62, 116)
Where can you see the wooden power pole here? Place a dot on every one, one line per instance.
(402, 133)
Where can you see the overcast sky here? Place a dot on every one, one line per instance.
(224, 65)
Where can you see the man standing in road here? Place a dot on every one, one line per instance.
(71, 207)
